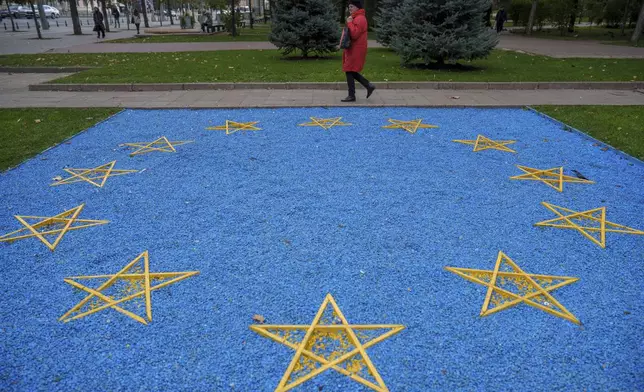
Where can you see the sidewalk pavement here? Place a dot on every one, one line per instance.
(566, 49)
(14, 93)
(65, 42)
(552, 48)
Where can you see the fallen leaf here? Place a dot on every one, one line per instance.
(37, 121)
(57, 178)
(89, 118)
(258, 318)
(604, 149)
(455, 97)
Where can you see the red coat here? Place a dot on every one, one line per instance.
(353, 59)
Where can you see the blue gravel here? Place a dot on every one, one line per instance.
(277, 218)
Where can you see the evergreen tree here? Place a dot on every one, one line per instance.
(441, 30)
(385, 21)
(309, 26)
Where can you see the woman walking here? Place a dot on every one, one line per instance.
(136, 19)
(353, 58)
(99, 27)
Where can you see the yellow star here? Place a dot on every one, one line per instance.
(162, 144)
(57, 225)
(96, 176)
(233, 126)
(482, 143)
(330, 342)
(554, 177)
(134, 281)
(409, 126)
(592, 224)
(507, 287)
(325, 123)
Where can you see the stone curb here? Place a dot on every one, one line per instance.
(340, 86)
(44, 69)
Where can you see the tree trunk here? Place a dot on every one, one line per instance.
(343, 9)
(533, 14)
(370, 10)
(43, 18)
(144, 8)
(573, 16)
(638, 27)
(106, 21)
(33, 9)
(233, 28)
(13, 24)
(625, 16)
(250, 15)
(75, 19)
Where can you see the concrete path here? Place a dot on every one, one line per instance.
(64, 42)
(566, 49)
(14, 93)
(552, 48)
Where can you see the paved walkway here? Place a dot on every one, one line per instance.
(552, 48)
(64, 42)
(14, 93)
(565, 49)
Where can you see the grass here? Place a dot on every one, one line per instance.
(269, 66)
(590, 33)
(618, 126)
(26, 132)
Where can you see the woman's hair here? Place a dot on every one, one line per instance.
(356, 3)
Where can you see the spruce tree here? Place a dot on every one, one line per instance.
(441, 30)
(309, 26)
(385, 21)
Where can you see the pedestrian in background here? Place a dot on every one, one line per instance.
(136, 19)
(99, 27)
(501, 17)
(116, 14)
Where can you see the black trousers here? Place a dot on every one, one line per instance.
(351, 82)
(100, 29)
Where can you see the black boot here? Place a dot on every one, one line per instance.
(349, 99)
(370, 89)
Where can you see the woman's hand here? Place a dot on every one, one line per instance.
(349, 19)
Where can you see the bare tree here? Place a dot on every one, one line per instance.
(73, 7)
(13, 24)
(533, 15)
(638, 27)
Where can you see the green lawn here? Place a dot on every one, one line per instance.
(269, 66)
(26, 132)
(594, 33)
(619, 126)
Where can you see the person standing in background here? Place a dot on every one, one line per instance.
(116, 14)
(99, 27)
(501, 17)
(136, 19)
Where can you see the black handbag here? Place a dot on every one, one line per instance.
(345, 39)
